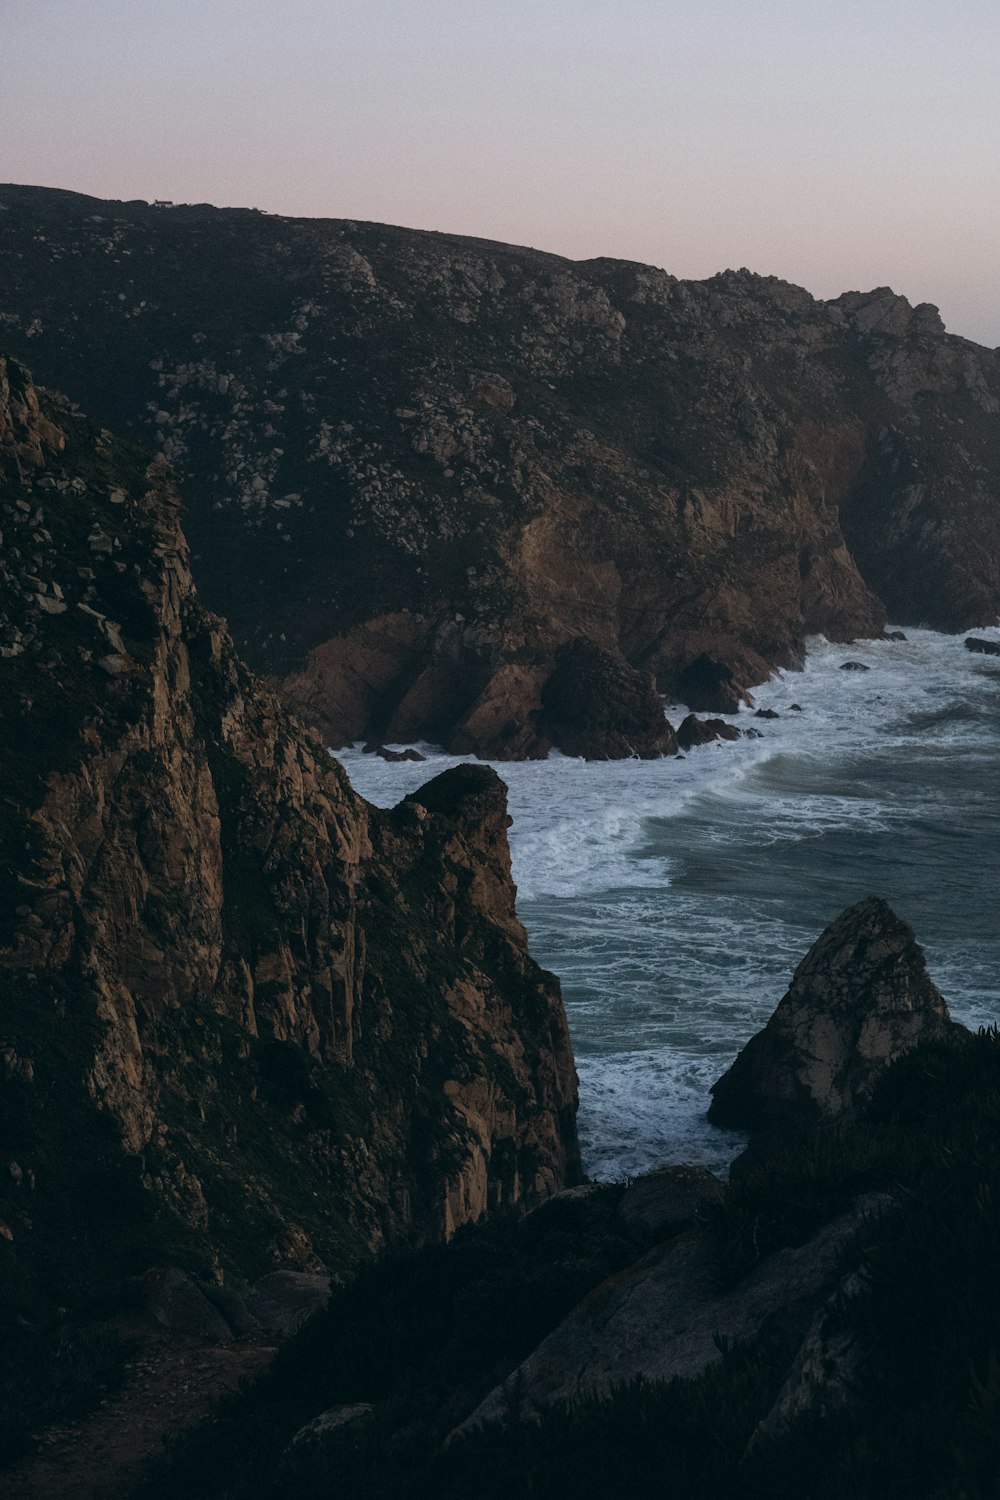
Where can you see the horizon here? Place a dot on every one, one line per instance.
(489, 240)
(848, 146)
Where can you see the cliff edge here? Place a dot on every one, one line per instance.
(418, 468)
(247, 1021)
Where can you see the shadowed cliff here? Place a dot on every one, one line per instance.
(420, 468)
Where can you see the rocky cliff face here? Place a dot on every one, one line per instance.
(861, 998)
(246, 1020)
(419, 467)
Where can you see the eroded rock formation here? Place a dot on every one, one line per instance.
(417, 466)
(246, 1019)
(859, 999)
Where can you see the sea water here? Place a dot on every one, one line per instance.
(674, 898)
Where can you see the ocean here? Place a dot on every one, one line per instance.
(675, 898)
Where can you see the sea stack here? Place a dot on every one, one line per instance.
(860, 998)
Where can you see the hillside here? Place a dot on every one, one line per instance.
(418, 468)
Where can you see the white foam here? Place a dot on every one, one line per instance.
(675, 897)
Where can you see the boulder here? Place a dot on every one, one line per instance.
(671, 1197)
(860, 998)
(337, 1419)
(767, 713)
(710, 686)
(694, 731)
(894, 635)
(282, 1301)
(854, 666)
(985, 648)
(667, 1318)
(398, 755)
(178, 1304)
(597, 706)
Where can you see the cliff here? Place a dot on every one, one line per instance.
(419, 468)
(247, 1021)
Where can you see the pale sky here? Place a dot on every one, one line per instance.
(841, 146)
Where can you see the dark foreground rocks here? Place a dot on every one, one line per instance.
(668, 1319)
(984, 648)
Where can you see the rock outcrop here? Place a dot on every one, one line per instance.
(860, 998)
(668, 1318)
(247, 1021)
(693, 732)
(514, 452)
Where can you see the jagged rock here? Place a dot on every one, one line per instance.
(671, 1197)
(859, 999)
(265, 1019)
(596, 705)
(694, 731)
(666, 1317)
(985, 648)
(854, 666)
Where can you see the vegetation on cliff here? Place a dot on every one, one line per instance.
(419, 467)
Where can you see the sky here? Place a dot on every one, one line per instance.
(838, 145)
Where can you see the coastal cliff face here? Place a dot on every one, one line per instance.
(246, 1020)
(419, 469)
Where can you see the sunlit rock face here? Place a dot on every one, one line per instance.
(245, 1018)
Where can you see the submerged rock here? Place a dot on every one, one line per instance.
(985, 648)
(859, 999)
